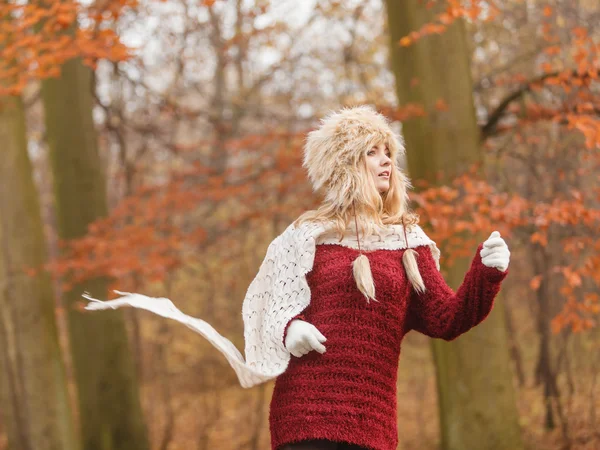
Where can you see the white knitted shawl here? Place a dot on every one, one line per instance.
(277, 294)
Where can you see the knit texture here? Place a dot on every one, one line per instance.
(277, 294)
(280, 290)
(348, 393)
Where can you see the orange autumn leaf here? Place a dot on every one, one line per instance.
(552, 50)
(445, 18)
(405, 41)
(580, 32)
(441, 105)
(433, 28)
(539, 238)
(535, 282)
(64, 20)
(573, 278)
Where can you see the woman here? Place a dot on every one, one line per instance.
(340, 288)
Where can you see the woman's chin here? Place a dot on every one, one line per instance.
(383, 188)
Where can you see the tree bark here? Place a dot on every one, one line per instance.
(111, 415)
(33, 387)
(477, 403)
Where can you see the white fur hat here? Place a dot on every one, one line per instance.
(332, 151)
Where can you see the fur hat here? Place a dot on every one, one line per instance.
(332, 151)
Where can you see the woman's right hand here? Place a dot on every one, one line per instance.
(302, 337)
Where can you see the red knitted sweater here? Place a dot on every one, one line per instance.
(348, 393)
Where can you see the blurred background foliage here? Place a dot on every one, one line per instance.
(155, 146)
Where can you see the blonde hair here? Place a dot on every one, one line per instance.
(374, 210)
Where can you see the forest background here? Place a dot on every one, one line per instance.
(155, 147)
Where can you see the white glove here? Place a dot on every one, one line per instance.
(302, 337)
(495, 252)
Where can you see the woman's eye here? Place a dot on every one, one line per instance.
(388, 152)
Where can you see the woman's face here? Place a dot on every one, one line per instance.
(378, 162)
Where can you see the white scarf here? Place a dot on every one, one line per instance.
(277, 294)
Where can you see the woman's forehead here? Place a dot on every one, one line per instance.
(380, 143)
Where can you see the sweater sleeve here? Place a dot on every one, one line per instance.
(439, 312)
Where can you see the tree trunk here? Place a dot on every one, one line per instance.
(33, 385)
(111, 416)
(545, 373)
(477, 402)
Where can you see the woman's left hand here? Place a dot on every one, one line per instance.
(495, 252)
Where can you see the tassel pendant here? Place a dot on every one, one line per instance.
(409, 260)
(363, 277)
